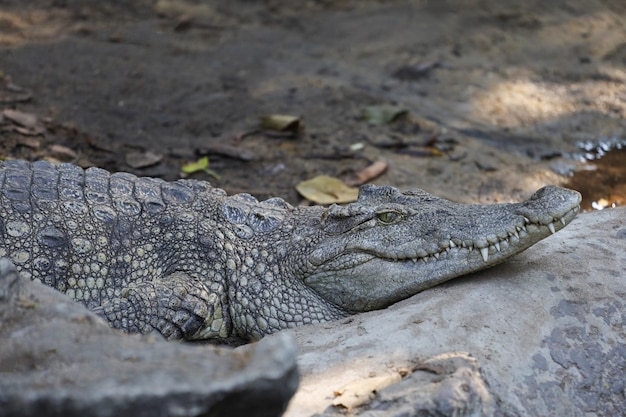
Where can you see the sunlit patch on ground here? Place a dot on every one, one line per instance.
(18, 27)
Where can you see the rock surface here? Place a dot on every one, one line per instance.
(58, 359)
(546, 328)
(544, 335)
(445, 385)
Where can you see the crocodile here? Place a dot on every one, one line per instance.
(186, 260)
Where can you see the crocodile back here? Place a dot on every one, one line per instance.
(89, 232)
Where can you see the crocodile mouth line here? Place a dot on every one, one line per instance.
(491, 245)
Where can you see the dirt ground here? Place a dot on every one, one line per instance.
(496, 96)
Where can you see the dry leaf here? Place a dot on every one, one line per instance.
(11, 93)
(384, 114)
(63, 152)
(35, 131)
(280, 123)
(327, 190)
(362, 391)
(229, 150)
(370, 172)
(420, 151)
(23, 119)
(29, 142)
(142, 159)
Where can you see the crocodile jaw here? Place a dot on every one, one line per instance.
(366, 275)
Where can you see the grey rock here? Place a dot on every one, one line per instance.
(59, 359)
(547, 328)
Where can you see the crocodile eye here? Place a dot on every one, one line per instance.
(388, 217)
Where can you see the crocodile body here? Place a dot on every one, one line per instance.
(190, 262)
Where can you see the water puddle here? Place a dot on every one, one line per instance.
(603, 181)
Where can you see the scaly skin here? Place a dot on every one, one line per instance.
(184, 259)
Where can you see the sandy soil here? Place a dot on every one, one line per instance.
(498, 93)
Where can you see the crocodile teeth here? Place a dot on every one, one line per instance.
(551, 227)
(452, 244)
(526, 219)
(562, 219)
(485, 253)
(436, 255)
(497, 245)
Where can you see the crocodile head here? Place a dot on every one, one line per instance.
(390, 245)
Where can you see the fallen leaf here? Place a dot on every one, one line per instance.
(197, 166)
(227, 150)
(201, 165)
(61, 151)
(281, 123)
(362, 391)
(21, 118)
(327, 190)
(35, 131)
(370, 172)
(142, 159)
(420, 151)
(383, 114)
(29, 142)
(11, 93)
(390, 141)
